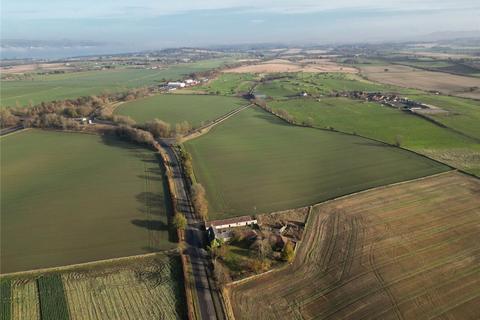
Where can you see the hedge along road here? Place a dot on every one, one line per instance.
(69, 198)
(255, 162)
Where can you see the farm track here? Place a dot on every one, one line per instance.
(364, 259)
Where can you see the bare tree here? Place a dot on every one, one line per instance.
(159, 128)
(199, 199)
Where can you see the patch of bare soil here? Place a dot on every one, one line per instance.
(280, 65)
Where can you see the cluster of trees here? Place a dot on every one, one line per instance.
(199, 199)
(139, 136)
(51, 120)
(159, 128)
(186, 159)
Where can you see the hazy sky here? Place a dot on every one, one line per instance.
(146, 24)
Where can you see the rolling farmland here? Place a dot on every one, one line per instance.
(76, 84)
(291, 85)
(386, 124)
(141, 288)
(409, 77)
(177, 108)
(81, 198)
(408, 251)
(255, 162)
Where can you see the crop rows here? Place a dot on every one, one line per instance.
(147, 293)
(401, 252)
(53, 303)
(25, 300)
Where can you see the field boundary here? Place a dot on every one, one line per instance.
(205, 129)
(13, 131)
(72, 267)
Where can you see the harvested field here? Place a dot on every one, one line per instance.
(147, 287)
(409, 77)
(22, 68)
(25, 303)
(254, 162)
(278, 66)
(152, 291)
(81, 197)
(408, 251)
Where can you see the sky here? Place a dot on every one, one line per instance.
(135, 25)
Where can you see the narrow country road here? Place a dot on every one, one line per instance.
(194, 238)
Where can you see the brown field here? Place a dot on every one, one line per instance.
(280, 65)
(22, 68)
(407, 251)
(467, 87)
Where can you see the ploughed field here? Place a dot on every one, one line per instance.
(72, 85)
(460, 149)
(255, 162)
(404, 76)
(69, 198)
(143, 288)
(408, 251)
(196, 109)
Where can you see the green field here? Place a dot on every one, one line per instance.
(176, 108)
(76, 84)
(289, 85)
(69, 198)
(230, 84)
(255, 162)
(464, 114)
(383, 123)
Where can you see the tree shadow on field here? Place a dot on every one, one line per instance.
(154, 225)
(151, 203)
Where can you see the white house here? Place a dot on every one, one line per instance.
(231, 223)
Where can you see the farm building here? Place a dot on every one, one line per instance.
(231, 223)
(220, 229)
(176, 84)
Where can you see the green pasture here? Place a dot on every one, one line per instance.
(69, 198)
(76, 84)
(291, 85)
(254, 162)
(464, 114)
(375, 121)
(176, 108)
(230, 84)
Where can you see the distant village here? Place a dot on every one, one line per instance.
(391, 100)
